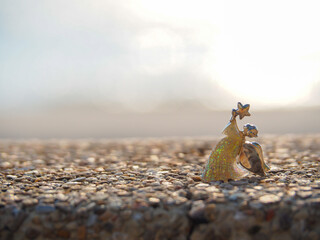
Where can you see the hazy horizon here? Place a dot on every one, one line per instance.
(176, 122)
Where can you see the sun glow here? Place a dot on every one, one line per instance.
(265, 54)
(146, 52)
(261, 51)
(268, 77)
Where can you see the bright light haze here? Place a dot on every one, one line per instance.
(144, 53)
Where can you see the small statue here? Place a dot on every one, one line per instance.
(233, 157)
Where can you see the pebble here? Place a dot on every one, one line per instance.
(29, 202)
(12, 177)
(152, 189)
(91, 179)
(196, 178)
(154, 201)
(5, 165)
(239, 182)
(236, 196)
(197, 212)
(304, 194)
(79, 179)
(202, 185)
(269, 198)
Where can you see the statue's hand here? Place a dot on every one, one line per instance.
(234, 114)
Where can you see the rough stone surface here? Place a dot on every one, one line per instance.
(151, 189)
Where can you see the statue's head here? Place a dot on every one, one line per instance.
(250, 130)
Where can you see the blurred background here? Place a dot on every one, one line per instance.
(149, 68)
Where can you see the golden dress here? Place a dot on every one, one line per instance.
(222, 163)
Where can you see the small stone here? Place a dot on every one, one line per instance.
(91, 179)
(239, 182)
(39, 161)
(236, 196)
(178, 184)
(155, 184)
(269, 198)
(196, 178)
(33, 172)
(115, 204)
(91, 159)
(123, 193)
(197, 212)
(268, 180)
(12, 177)
(202, 185)
(200, 195)
(5, 165)
(29, 202)
(212, 189)
(154, 201)
(304, 194)
(79, 179)
(227, 186)
(99, 169)
(255, 204)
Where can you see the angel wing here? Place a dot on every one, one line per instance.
(251, 158)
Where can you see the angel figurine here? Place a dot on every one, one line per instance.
(233, 157)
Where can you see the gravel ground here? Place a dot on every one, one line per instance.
(151, 189)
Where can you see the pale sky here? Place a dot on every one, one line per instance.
(143, 53)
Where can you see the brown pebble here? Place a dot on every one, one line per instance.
(196, 178)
